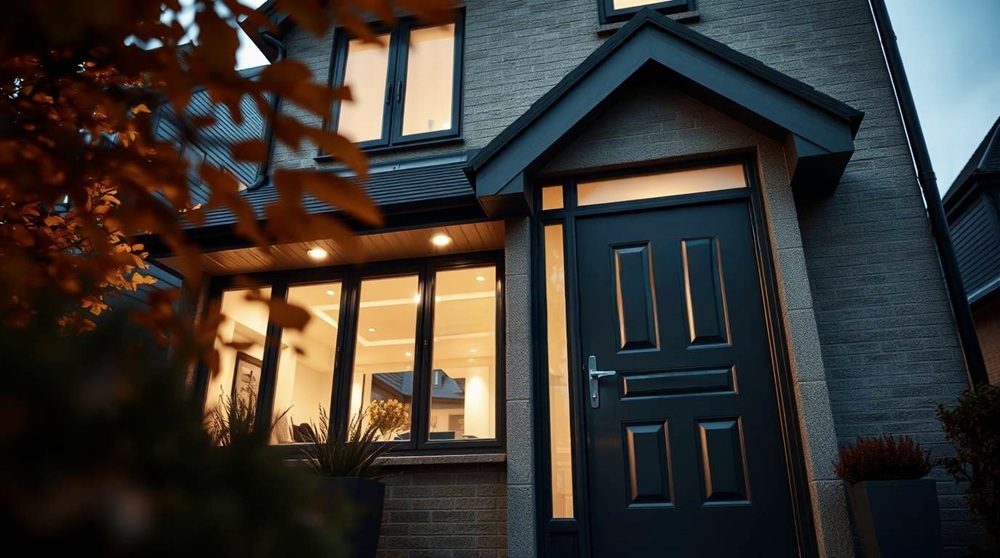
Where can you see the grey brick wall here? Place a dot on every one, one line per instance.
(445, 511)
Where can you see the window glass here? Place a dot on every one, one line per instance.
(382, 379)
(622, 4)
(463, 374)
(552, 197)
(239, 370)
(366, 73)
(430, 75)
(661, 185)
(306, 361)
(558, 377)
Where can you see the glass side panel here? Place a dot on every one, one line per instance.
(239, 370)
(305, 364)
(552, 197)
(558, 378)
(463, 375)
(662, 185)
(366, 73)
(430, 75)
(382, 379)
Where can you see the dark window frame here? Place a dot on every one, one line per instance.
(350, 278)
(395, 103)
(608, 13)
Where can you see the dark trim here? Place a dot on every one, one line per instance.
(395, 90)
(787, 409)
(608, 14)
(973, 353)
(351, 278)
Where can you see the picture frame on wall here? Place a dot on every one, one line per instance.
(246, 376)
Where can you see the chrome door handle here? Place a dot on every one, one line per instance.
(595, 375)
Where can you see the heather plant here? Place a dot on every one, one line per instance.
(882, 458)
(973, 428)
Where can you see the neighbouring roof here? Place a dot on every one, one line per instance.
(985, 160)
(817, 130)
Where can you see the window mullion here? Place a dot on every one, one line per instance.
(269, 369)
(422, 368)
(399, 46)
(340, 399)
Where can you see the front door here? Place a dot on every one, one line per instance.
(684, 444)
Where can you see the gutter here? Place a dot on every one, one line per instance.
(975, 366)
(264, 169)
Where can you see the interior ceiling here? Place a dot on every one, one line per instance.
(413, 243)
(464, 320)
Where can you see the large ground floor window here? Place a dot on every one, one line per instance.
(417, 343)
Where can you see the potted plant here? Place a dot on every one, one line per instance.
(350, 471)
(895, 508)
(972, 428)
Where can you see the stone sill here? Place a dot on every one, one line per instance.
(467, 458)
(682, 17)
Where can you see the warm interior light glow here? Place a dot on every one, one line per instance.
(440, 239)
(331, 293)
(317, 253)
(480, 278)
(372, 329)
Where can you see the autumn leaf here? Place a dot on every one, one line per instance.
(336, 191)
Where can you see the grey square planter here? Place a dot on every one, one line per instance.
(897, 518)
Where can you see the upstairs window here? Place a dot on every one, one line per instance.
(620, 10)
(405, 93)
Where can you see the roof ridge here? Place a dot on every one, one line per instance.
(977, 161)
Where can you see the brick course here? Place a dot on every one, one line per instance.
(445, 511)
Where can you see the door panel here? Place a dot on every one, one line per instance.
(685, 453)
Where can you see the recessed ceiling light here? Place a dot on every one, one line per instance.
(317, 253)
(371, 329)
(409, 354)
(331, 293)
(472, 350)
(480, 278)
(440, 239)
(472, 360)
(416, 299)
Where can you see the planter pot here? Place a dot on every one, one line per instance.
(897, 518)
(365, 497)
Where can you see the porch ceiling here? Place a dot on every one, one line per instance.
(395, 245)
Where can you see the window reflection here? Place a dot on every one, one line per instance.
(463, 375)
(382, 379)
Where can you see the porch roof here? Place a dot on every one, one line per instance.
(816, 130)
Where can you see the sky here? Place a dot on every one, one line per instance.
(951, 52)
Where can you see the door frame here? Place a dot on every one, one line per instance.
(566, 537)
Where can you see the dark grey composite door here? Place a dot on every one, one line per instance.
(684, 445)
